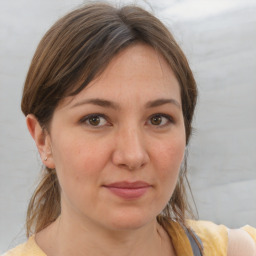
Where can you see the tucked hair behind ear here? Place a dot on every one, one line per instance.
(75, 50)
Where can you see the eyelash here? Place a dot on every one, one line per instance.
(162, 115)
(86, 119)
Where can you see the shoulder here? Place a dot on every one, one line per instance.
(214, 237)
(17, 251)
(30, 248)
(241, 243)
(219, 239)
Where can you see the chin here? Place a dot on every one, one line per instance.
(130, 220)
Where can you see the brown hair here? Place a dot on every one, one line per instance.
(75, 50)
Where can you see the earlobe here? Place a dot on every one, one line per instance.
(42, 140)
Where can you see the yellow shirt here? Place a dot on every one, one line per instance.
(30, 248)
(214, 238)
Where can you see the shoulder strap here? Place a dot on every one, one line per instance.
(194, 241)
(214, 237)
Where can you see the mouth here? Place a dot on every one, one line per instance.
(128, 190)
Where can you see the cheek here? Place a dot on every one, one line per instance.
(78, 166)
(169, 157)
(78, 159)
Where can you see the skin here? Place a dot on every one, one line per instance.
(132, 142)
(240, 243)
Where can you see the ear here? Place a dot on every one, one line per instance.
(42, 140)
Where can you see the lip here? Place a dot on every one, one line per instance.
(128, 190)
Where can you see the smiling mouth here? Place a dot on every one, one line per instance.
(128, 190)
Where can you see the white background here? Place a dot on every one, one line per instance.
(219, 38)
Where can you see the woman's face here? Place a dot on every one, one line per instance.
(117, 146)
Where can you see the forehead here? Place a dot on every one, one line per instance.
(138, 72)
(136, 61)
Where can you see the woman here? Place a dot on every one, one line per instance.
(109, 100)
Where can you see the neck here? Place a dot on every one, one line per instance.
(72, 237)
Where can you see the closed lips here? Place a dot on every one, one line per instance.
(128, 185)
(128, 190)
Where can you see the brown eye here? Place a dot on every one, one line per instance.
(94, 120)
(160, 120)
(156, 120)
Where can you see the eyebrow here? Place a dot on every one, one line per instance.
(98, 102)
(113, 105)
(160, 102)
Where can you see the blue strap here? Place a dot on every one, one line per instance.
(194, 245)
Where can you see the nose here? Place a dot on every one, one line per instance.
(130, 149)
